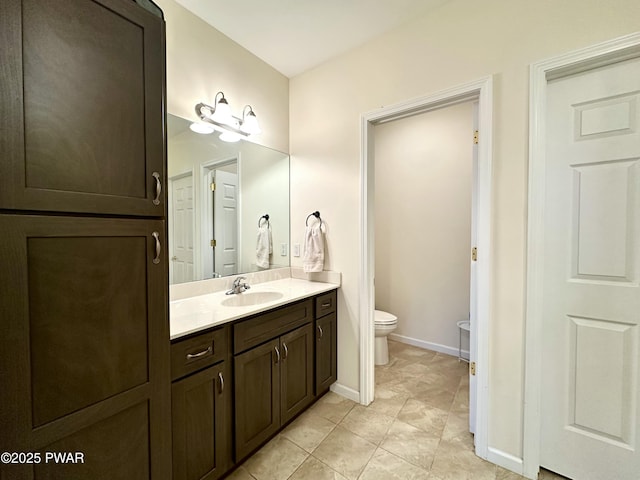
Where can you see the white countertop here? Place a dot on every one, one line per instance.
(193, 314)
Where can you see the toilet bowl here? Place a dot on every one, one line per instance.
(385, 323)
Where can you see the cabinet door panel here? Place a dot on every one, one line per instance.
(296, 371)
(257, 402)
(85, 329)
(201, 412)
(326, 352)
(85, 117)
(117, 447)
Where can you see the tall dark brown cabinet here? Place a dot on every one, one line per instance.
(84, 342)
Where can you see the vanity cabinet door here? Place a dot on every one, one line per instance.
(257, 396)
(82, 107)
(296, 371)
(326, 352)
(84, 350)
(202, 421)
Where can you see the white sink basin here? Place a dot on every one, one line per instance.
(252, 298)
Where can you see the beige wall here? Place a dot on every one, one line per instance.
(423, 170)
(462, 41)
(202, 61)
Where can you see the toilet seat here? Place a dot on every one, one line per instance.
(384, 318)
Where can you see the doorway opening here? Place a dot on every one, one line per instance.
(480, 92)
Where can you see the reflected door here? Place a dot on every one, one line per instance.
(225, 223)
(182, 223)
(590, 395)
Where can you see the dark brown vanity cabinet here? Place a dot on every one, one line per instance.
(202, 411)
(326, 324)
(273, 380)
(81, 107)
(84, 350)
(84, 357)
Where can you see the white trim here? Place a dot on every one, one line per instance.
(481, 90)
(346, 392)
(436, 347)
(505, 460)
(580, 60)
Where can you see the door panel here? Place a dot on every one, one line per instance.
(182, 239)
(257, 401)
(225, 225)
(84, 117)
(326, 352)
(85, 337)
(590, 390)
(296, 371)
(201, 412)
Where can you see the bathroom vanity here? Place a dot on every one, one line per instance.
(242, 372)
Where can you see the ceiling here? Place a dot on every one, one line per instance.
(296, 35)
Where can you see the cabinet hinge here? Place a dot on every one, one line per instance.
(474, 254)
(213, 185)
(213, 243)
(472, 368)
(475, 137)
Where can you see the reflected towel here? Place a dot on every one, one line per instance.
(264, 246)
(313, 260)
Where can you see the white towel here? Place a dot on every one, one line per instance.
(313, 259)
(264, 246)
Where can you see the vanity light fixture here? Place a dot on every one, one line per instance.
(219, 117)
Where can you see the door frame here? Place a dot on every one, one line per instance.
(482, 91)
(541, 73)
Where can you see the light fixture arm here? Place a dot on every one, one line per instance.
(224, 120)
(204, 113)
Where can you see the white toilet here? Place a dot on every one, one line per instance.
(385, 323)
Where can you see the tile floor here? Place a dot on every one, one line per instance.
(416, 428)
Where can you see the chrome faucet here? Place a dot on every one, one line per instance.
(238, 286)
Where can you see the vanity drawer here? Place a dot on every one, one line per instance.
(326, 304)
(198, 352)
(262, 328)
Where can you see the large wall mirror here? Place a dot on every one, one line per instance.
(219, 193)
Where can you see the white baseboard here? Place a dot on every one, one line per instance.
(505, 460)
(346, 392)
(436, 347)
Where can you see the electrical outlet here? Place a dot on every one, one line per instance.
(296, 249)
(283, 249)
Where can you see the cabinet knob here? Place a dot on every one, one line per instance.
(221, 378)
(286, 351)
(156, 235)
(277, 355)
(191, 356)
(320, 331)
(156, 175)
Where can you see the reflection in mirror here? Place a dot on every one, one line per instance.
(218, 194)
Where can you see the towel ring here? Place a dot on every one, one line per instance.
(266, 217)
(314, 214)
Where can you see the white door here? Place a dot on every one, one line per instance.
(182, 218)
(225, 223)
(590, 362)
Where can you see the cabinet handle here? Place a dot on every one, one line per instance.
(286, 351)
(320, 331)
(156, 235)
(325, 305)
(221, 378)
(191, 356)
(156, 175)
(277, 355)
